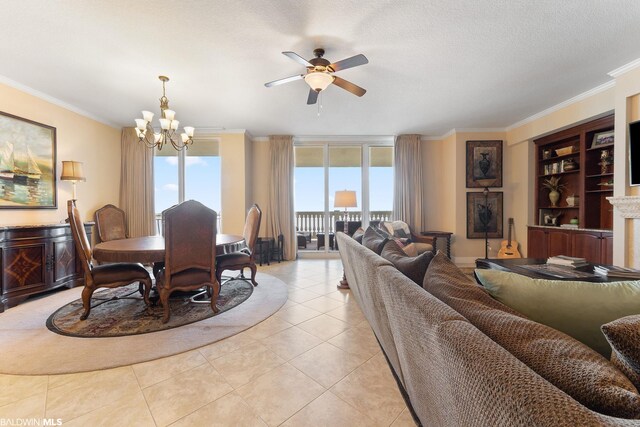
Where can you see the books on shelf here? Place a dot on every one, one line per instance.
(567, 261)
(569, 225)
(613, 271)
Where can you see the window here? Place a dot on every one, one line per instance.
(193, 173)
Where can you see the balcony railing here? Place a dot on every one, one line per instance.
(312, 222)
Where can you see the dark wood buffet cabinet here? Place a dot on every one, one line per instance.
(35, 259)
(594, 245)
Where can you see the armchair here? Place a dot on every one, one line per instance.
(190, 252)
(245, 258)
(102, 276)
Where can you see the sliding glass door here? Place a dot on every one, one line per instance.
(324, 168)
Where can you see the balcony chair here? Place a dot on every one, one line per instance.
(111, 223)
(190, 253)
(246, 257)
(102, 276)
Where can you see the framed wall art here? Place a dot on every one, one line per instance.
(27, 164)
(484, 215)
(484, 164)
(602, 138)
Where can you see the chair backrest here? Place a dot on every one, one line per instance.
(252, 227)
(111, 223)
(83, 246)
(190, 238)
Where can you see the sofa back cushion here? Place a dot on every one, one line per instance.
(565, 362)
(413, 267)
(576, 308)
(373, 240)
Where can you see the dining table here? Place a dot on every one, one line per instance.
(150, 249)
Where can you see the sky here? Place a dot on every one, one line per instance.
(203, 184)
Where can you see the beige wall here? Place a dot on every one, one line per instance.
(261, 175)
(78, 138)
(236, 189)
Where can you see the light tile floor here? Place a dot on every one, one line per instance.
(314, 363)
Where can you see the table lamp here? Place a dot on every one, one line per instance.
(72, 171)
(345, 199)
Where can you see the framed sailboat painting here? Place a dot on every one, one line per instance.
(27, 164)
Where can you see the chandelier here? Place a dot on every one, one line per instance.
(168, 126)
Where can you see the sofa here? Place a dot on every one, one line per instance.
(451, 373)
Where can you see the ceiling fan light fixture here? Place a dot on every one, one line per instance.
(318, 80)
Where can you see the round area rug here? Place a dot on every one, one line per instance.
(121, 311)
(27, 347)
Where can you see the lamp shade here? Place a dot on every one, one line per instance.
(72, 171)
(345, 199)
(318, 80)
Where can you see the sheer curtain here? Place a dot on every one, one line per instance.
(136, 185)
(407, 194)
(282, 218)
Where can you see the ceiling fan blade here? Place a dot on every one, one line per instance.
(354, 61)
(299, 59)
(348, 86)
(285, 80)
(313, 97)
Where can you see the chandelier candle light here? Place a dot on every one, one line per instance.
(168, 126)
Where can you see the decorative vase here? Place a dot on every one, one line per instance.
(484, 164)
(554, 196)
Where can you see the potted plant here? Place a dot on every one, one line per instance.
(555, 187)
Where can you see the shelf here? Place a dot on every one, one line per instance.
(556, 158)
(559, 173)
(559, 207)
(600, 147)
(600, 191)
(601, 175)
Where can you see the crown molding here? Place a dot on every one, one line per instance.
(385, 139)
(577, 98)
(48, 98)
(625, 68)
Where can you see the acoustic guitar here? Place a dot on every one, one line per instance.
(509, 248)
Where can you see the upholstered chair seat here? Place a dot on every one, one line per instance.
(109, 273)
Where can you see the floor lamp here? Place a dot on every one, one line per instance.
(345, 199)
(72, 171)
(485, 217)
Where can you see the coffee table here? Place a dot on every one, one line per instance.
(519, 265)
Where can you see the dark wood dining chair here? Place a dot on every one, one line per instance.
(102, 276)
(111, 223)
(190, 253)
(246, 257)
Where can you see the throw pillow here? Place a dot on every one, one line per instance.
(624, 337)
(358, 235)
(373, 240)
(573, 307)
(412, 267)
(565, 362)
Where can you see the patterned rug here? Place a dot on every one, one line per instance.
(121, 311)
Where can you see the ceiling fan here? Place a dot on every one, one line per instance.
(320, 74)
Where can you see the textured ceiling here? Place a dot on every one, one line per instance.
(433, 65)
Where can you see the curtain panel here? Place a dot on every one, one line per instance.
(282, 214)
(407, 194)
(136, 185)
